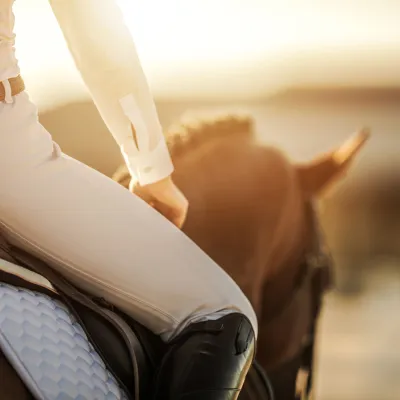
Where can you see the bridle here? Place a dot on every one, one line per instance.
(315, 272)
(315, 258)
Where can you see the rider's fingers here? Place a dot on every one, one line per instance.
(179, 219)
(176, 215)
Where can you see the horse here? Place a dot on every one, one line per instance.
(252, 211)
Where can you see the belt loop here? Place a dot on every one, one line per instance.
(7, 92)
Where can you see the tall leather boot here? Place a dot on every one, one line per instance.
(208, 361)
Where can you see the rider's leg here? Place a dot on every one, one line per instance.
(112, 244)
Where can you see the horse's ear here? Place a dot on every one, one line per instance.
(324, 171)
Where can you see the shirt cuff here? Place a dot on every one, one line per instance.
(150, 166)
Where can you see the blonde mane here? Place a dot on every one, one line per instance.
(192, 133)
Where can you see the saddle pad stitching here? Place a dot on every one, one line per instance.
(35, 304)
(16, 362)
(115, 319)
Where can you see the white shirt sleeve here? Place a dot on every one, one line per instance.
(106, 57)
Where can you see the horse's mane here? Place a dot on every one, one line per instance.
(192, 133)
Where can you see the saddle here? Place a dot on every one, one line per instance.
(98, 352)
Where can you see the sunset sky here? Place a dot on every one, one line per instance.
(198, 48)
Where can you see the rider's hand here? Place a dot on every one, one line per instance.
(165, 197)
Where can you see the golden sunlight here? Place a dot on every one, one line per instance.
(201, 48)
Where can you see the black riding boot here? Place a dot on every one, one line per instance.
(208, 361)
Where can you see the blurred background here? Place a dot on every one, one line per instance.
(310, 73)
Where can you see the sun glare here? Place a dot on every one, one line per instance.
(205, 46)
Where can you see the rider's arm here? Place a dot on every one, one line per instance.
(105, 55)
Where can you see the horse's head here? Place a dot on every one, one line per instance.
(286, 311)
(248, 201)
(250, 210)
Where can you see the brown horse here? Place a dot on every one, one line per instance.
(250, 210)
